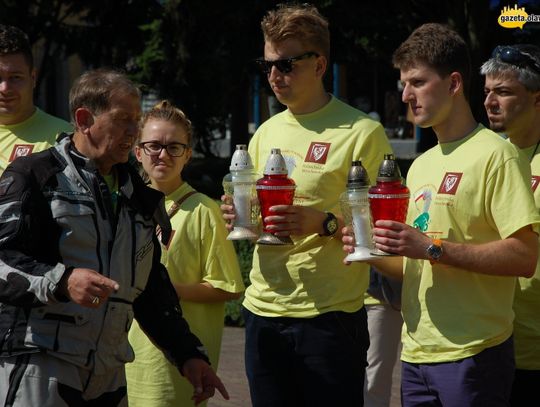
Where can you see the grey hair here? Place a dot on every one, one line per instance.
(525, 75)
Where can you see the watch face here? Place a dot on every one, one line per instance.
(434, 251)
(332, 226)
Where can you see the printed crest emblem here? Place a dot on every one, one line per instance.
(20, 150)
(318, 152)
(535, 180)
(450, 183)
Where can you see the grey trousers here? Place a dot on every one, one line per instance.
(384, 326)
(37, 379)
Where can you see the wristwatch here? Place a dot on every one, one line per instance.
(330, 224)
(434, 251)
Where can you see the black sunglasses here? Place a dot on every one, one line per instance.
(153, 148)
(283, 65)
(514, 56)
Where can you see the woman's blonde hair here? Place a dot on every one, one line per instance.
(166, 111)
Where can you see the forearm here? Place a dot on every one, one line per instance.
(507, 257)
(26, 283)
(515, 255)
(203, 292)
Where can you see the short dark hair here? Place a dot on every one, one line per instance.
(15, 41)
(94, 90)
(439, 47)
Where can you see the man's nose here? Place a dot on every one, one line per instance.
(406, 95)
(3, 85)
(490, 100)
(274, 72)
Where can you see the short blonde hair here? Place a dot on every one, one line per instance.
(300, 22)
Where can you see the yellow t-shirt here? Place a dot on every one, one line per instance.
(37, 133)
(474, 190)
(198, 251)
(308, 278)
(527, 300)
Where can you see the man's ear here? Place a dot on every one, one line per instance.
(456, 83)
(83, 118)
(537, 99)
(33, 75)
(322, 63)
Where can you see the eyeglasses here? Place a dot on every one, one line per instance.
(283, 65)
(153, 148)
(514, 56)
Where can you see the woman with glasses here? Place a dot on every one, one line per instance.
(201, 261)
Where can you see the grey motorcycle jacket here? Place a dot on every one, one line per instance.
(56, 214)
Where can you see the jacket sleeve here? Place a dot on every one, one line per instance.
(29, 272)
(159, 314)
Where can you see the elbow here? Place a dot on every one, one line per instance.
(234, 296)
(530, 268)
(530, 264)
(526, 255)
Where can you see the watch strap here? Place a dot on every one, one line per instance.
(438, 243)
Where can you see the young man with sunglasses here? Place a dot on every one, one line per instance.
(306, 331)
(460, 270)
(512, 88)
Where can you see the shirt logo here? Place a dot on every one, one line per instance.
(20, 150)
(450, 183)
(535, 181)
(317, 152)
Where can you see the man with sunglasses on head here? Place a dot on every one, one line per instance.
(79, 259)
(306, 331)
(464, 247)
(512, 87)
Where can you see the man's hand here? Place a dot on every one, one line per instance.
(348, 241)
(227, 209)
(87, 287)
(204, 380)
(401, 239)
(296, 220)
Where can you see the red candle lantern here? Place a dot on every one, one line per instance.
(389, 198)
(274, 188)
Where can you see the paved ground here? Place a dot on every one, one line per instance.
(231, 371)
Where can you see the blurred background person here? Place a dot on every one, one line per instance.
(201, 261)
(512, 89)
(24, 128)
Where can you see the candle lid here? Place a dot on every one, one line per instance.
(275, 165)
(389, 169)
(241, 159)
(358, 176)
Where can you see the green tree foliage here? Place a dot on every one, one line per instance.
(100, 32)
(200, 54)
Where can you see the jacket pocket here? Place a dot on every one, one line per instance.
(54, 329)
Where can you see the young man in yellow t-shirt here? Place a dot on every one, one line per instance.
(512, 103)
(306, 330)
(24, 128)
(470, 240)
